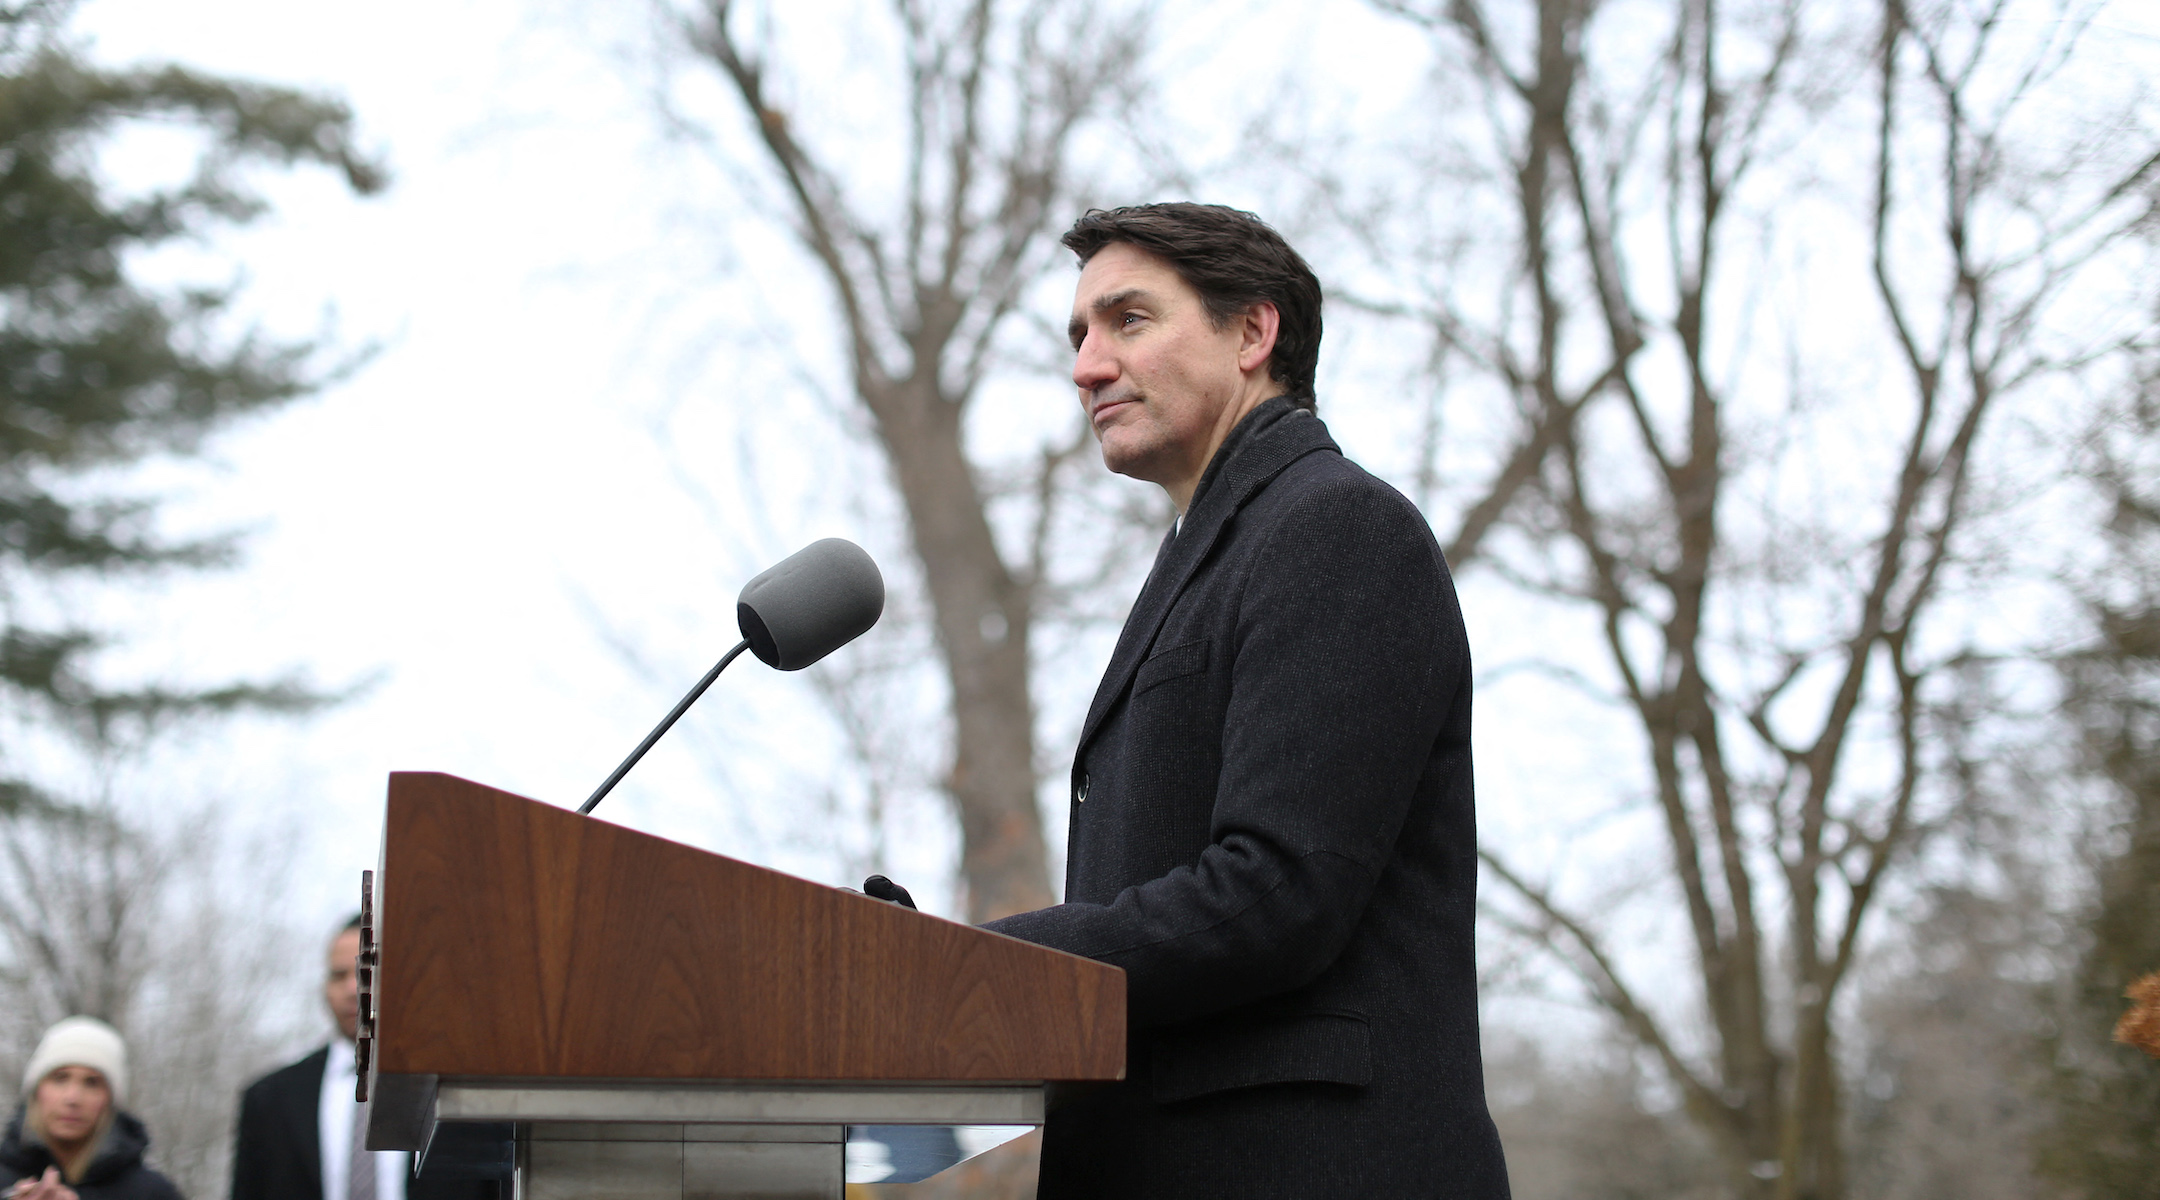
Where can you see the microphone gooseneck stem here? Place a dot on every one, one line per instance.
(665, 724)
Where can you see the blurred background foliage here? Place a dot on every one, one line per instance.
(103, 371)
(103, 911)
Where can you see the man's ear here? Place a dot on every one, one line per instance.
(1258, 327)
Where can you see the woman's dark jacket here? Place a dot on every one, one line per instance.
(117, 1173)
(1272, 833)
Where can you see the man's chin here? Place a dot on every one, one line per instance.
(1127, 456)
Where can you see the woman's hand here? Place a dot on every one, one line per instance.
(48, 1187)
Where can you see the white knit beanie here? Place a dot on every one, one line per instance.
(80, 1042)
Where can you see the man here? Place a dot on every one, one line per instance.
(1271, 819)
(300, 1137)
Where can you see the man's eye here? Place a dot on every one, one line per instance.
(1129, 318)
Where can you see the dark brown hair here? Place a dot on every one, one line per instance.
(1234, 260)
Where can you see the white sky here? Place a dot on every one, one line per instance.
(469, 512)
(436, 519)
(462, 518)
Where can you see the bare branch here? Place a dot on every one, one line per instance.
(1595, 967)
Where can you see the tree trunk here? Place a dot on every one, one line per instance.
(982, 617)
(937, 283)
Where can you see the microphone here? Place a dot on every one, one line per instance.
(810, 604)
(801, 609)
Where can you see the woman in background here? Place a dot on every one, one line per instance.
(69, 1140)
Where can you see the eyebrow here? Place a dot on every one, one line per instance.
(1075, 327)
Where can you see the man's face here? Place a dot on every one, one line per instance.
(1159, 383)
(341, 983)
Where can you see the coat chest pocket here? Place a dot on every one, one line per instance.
(1177, 662)
(1309, 1048)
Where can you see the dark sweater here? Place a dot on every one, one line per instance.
(117, 1173)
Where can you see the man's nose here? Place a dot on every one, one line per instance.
(1092, 367)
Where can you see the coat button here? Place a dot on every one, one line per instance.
(1080, 793)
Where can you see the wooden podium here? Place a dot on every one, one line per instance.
(656, 1021)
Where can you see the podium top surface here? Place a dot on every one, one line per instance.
(518, 939)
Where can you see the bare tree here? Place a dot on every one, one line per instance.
(1716, 229)
(1586, 1121)
(929, 285)
(78, 908)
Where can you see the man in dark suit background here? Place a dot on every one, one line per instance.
(299, 1125)
(1272, 828)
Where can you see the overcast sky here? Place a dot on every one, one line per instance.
(463, 520)
(445, 522)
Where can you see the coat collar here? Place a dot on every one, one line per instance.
(1270, 438)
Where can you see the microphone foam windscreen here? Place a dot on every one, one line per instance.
(810, 604)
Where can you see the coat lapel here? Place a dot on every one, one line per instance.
(1282, 440)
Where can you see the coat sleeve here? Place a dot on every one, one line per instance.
(1347, 653)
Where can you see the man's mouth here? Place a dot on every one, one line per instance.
(1101, 406)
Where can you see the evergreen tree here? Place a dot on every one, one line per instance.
(2106, 1141)
(99, 370)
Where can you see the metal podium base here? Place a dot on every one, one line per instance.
(639, 1161)
(748, 1141)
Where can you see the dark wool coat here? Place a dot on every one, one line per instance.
(1272, 833)
(278, 1152)
(117, 1173)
